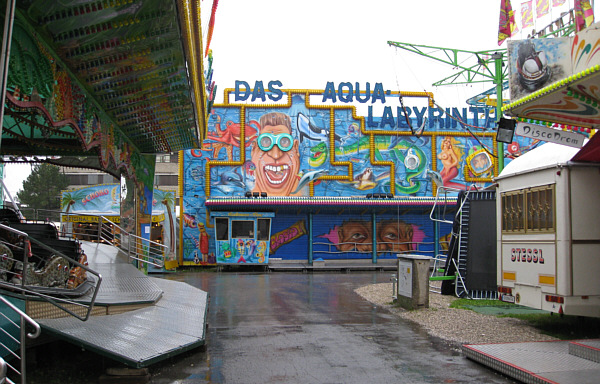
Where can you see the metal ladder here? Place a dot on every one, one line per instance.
(460, 287)
(440, 268)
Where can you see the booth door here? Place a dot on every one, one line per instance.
(243, 240)
(263, 237)
(224, 252)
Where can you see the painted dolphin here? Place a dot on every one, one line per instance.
(229, 182)
(310, 131)
(308, 177)
(230, 178)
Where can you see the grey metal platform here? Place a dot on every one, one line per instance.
(170, 319)
(563, 362)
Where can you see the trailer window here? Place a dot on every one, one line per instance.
(264, 226)
(540, 209)
(528, 210)
(513, 219)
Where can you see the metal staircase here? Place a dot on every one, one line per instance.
(444, 269)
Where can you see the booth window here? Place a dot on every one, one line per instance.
(222, 228)
(242, 229)
(263, 229)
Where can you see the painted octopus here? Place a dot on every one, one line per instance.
(231, 136)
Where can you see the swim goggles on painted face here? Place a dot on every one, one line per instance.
(284, 141)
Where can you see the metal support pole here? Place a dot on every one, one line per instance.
(436, 233)
(310, 238)
(374, 223)
(23, 349)
(129, 250)
(99, 229)
(9, 18)
(498, 81)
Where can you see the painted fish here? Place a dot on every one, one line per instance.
(190, 220)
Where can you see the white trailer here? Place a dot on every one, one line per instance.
(548, 232)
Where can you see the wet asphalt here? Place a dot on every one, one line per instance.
(310, 328)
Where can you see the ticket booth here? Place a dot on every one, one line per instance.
(242, 237)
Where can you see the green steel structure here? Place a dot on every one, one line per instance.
(488, 67)
(483, 66)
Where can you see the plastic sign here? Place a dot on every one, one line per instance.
(551, 135)
(271, 92)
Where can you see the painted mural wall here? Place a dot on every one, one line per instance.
(313, 144)
(560, 75)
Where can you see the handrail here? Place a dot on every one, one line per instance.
(33, 323)
(21, 343)
(55, 300)
(136, 247)
(152, 252)
(445, 191)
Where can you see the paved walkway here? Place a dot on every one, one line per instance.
(311, 328)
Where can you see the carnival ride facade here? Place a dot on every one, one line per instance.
(340, 186)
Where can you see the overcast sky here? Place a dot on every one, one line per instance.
(305, 44)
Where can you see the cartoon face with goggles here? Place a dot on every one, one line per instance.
(276, 156)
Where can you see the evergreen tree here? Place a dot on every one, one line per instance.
(43, 187)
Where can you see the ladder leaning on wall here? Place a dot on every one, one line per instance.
(447, 271)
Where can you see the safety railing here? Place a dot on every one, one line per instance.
(442, 198)
(137, 248)
(103, 230)
(13, 337)
(18, 274)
